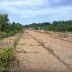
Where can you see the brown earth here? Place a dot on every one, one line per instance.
(39, 51)
(43, 52)
(9, 41)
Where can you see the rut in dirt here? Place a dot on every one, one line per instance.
(34, 57)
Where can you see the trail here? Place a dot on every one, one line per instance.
(60, 48)
(34, 57)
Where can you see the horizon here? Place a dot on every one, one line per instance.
(36, 11)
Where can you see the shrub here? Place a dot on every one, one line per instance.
(5, 58)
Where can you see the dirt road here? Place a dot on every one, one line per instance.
(39, 52)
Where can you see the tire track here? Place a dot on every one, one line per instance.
(51, 51)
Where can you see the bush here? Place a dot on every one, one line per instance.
(4, 34)
(5, 58)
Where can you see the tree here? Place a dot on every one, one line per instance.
(3, 22)
(7, 28)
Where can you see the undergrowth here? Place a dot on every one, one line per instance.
(5, 58)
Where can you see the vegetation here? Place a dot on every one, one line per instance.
(7, 28)
(5, 58)
(59, 26)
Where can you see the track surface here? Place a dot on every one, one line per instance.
(38, 52)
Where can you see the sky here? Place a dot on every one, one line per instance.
(36, 11)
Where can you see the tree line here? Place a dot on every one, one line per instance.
(58, 26)
(7, 28)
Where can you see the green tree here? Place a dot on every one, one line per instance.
(3, 22)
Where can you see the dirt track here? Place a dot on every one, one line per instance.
(40, 52)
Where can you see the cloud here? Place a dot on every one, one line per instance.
(54, 1)
(33, 8)
(21, 5)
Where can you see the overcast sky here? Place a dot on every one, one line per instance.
(31, 11)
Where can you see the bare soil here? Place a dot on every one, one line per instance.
(8, 42)
(40, 51)
(43, 52)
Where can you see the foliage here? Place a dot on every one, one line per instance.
(5, 58)
(59, 26)
(3, 22)
(7, 28)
